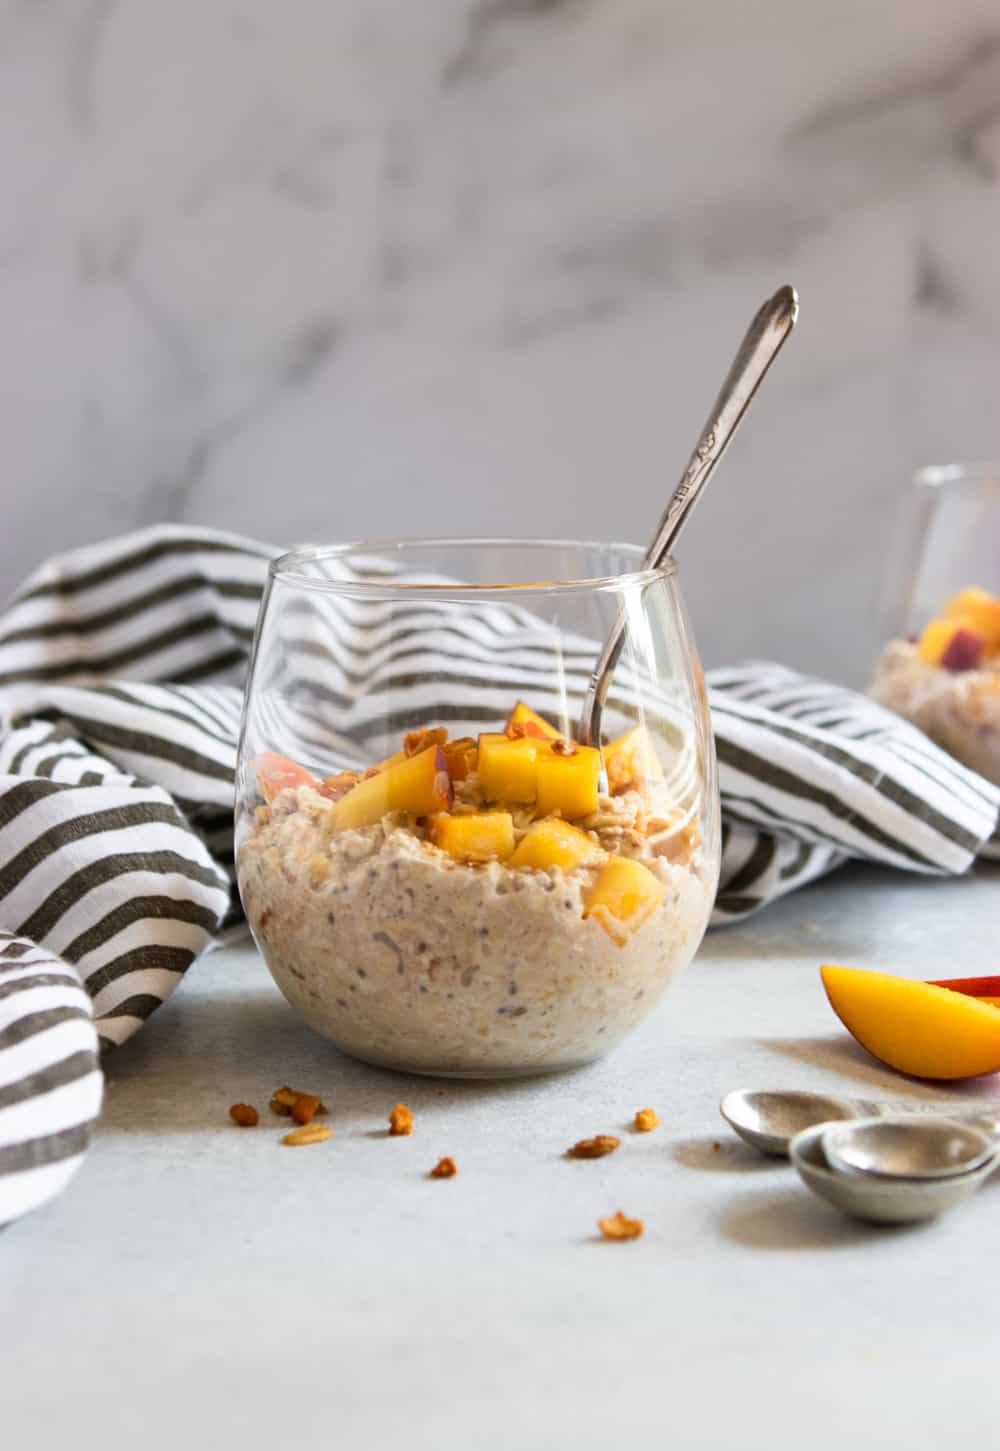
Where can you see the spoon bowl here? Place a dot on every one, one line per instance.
(769, 1121)
(906, 1147)
(879, 1200)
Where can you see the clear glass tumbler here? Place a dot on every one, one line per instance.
(946, 539)
(941, 612)
(439, 877)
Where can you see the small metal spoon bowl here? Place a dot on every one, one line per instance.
(769, 1121)
(906, 1147)
(879, 1200)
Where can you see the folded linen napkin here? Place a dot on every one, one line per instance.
(121, 671)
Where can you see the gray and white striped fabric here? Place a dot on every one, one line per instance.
(121, 670)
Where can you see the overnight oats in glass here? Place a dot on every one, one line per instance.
(440, 876)
(941, 668)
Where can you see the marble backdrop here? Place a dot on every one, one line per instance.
(328, 268)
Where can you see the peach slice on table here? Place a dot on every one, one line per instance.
(631, 762)
(623, 897)
(419, 784)
(484, 837)
(567, 779)
(277, 773)
(523, 721)
(918, 1028)
(985, 989)
(554, 843)
(507, 768)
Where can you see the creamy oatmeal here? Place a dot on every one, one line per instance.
(492, 936)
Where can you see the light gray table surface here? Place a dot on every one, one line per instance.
(203, 1286)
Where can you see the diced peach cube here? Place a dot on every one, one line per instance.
(485, 837)
(507, 768)
(964, 652)
(935, 641)
(979, 611)
(523, 721)
(567, 783)
(952, 645)
(554, 843)
(419, 784)
(631, 762)
(623, 897)
(277, 773)
(414, 744)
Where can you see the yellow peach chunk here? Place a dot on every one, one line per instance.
(631, 762)
(567, 783)
(915, 1027)
(554, 843)
(979, 611)
(419, 784)
(623, 896)
(523, 721)
(935, 640)
(414, 743)
(486, 837)
(507, 768)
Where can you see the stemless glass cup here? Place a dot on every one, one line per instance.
(946, 539)
(471, 904)
(943, 569)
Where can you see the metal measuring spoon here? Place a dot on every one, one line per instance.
(768, 1120)
(878, 1199)
(758, 350)
(907, 1147)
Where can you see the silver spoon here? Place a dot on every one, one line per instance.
(907, 1147)
(758, 350)
(873, 1197)
(769, 1120)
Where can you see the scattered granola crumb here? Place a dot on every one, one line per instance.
(563, 747)
(283, 1102)
(245, 1115)
(400, 1121)
(646, 1120)
(616, 1226)
(594, 1148)
(445, 1168)
(305, 1108)
(308, 1134)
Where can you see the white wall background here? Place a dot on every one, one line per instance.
(349, 267)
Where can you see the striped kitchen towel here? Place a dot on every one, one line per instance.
(121, 670)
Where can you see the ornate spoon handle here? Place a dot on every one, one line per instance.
(757, 352)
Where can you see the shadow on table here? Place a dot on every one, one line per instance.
(792, 1219)
(723, 1156)
(844, 1056)
(181, 1073)
(731, 944)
